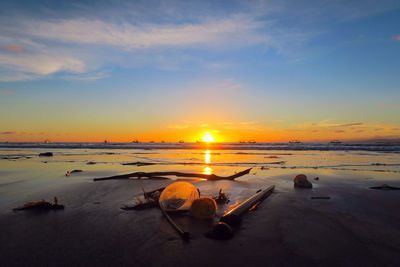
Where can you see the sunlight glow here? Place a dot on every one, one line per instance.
(208, 138)
(207, 157)
(207, 170)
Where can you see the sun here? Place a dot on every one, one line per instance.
(207, 137)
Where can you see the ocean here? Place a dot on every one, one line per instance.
(23, 171)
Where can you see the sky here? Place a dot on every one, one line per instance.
(270, 71)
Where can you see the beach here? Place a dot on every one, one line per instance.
(356, 226)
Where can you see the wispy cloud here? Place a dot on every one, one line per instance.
(229, 84)
(6, 93)
(397, 37)
(76, 43)
(331, 125)
(87, 76)
(346, 124)
(97, 32)
(38, 64)
(178, 126)
(13, 48)
(244, 125)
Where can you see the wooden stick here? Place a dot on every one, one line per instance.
(183, 234)
(178, 174)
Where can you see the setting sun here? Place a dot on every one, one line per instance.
(208, 138)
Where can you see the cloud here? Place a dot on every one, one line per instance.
(237, 29)
(397, 37)
(244, 125)
(178, 127)
(87, 76)
(7, 133)
(6, 93)
(346, 124)
(42, 64)
(13, 48)
(18, 67)
(229, 84)
(330, 125)
(236, 123)
(82, 38)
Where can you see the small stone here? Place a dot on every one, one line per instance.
(301, 181)
(46, 154)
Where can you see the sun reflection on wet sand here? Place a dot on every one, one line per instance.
(207, 160)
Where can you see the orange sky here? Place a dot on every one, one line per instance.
(221, 132)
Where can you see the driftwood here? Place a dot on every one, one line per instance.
(158, 175)
(138, 163)
(41, 205)
(385, 187)
(68, 173)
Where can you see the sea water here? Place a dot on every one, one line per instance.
(23, 171)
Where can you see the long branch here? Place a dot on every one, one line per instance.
(178, 174)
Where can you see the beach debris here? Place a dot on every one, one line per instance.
(46, 154)
(320, 197)
(272, 157)
(159, 175)
(148, 204)
(316, 178)
(385, 187)
(90, 163)
(150, 200)
(153, 195)
(139, 163)
(223, 230)
(203, 208)
(41, 205)
(68, 173)
(301, 181)
(178, 196)
(276, 162)
(184, 235)
(264, 168)
(222, 198)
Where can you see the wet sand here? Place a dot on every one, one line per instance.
(356, 227)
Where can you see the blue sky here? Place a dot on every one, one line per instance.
(272, 70)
